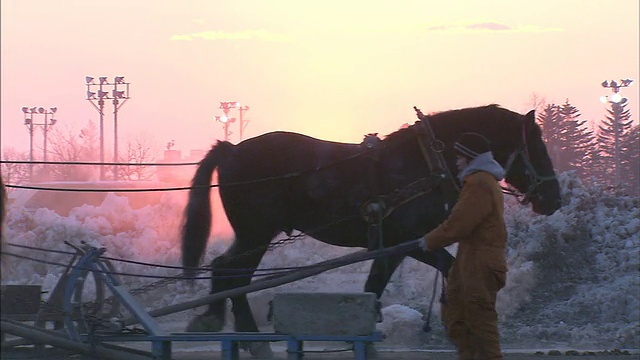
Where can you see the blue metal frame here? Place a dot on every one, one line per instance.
(161, 341)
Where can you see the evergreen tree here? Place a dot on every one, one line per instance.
(577, 140)
(569, 142)
(630, 161)
(549, 120)
(608, 131)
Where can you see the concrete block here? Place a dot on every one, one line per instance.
(325, 313)
(20, 299)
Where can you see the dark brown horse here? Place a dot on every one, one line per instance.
(281, 182)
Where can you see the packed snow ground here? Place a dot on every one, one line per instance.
(573, 276)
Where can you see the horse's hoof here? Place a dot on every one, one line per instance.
(205, 323)
(261, 350)
(371, 351)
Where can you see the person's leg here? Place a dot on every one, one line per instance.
(483, 326)
(453, 310)
(481, 316)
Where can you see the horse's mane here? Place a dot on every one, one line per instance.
(491, 111)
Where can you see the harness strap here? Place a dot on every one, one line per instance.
(373, 211)
(435, 160)
(534, 178)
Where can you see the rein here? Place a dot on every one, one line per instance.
(535, 180)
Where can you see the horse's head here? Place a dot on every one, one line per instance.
(529, 169)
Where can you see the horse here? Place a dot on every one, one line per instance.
(284, 182)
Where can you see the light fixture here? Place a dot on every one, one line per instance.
(616, 98)
(103, 80)
(119, 80)
(102, 94)
(605, 84)
(41, 110)
(53, 122)
(117, 94)
(91, 95)
(89, 80)
(27, 121)
(613, 84)
(25, 109)
(32, 110)
(54, 109)
(604, 99)
(228, 104)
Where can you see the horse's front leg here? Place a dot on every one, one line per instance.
(440, 259)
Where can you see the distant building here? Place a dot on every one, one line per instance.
(179, 174)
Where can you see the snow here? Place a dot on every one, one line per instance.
(573, 276)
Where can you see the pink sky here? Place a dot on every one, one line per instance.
(333, 69)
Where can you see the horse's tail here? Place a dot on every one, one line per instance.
(197, 223)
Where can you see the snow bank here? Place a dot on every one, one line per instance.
(573, 276)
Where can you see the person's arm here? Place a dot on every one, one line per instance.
(473, 206)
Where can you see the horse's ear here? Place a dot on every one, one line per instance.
(530, 119)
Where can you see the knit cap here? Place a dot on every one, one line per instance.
(471, 145)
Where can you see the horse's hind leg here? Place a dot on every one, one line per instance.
(232, 269)
(250, 259)
(214, 318)
(380, 273)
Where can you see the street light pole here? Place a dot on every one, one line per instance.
(616, 101)
(226, 121)
(116, 95)
(226, 107)
(243, 122)
(29, 121)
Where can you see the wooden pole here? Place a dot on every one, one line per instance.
(41, 336)
(281, 279)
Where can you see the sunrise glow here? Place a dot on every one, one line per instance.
(333, 70)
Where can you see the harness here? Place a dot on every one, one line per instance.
(535, 180)
(375, 210)
(380, 206)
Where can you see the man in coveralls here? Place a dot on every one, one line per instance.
(479, 271)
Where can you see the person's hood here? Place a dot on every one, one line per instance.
(483, 162)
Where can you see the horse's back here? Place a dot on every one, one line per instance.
(281, 179)
(280, 154)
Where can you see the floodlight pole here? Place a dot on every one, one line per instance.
(29, 121)
(226, 106)
(616, 100)
(225, 125)
(115, 95)
(101, 111)
(116, 107)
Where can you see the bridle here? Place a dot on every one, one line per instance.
(535, 179)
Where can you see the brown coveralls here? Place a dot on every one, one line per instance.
(479, 271)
